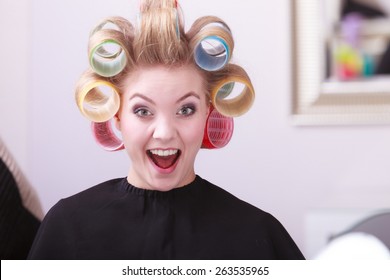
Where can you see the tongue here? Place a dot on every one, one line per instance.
(164, 162)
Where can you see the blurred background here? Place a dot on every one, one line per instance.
(317, 180)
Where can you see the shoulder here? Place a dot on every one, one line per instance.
(110, 187)
(248, 223)
(221, 198)
(89, 199)
(240, 211)
(64, 224)
(218, 203)
(68, 214)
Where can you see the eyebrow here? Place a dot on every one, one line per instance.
(178, 101)
(143, 97)
(188, 95)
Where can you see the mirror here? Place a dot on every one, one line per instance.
(340, 62)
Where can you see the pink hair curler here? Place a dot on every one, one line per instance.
(105, 136)
(218, 130)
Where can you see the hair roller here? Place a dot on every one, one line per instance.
(233, 95)
(212, 43)
(218, 130)
(98, 100)
(109, 46)
(105, 136)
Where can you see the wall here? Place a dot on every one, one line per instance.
(286, 170)
(15, 74)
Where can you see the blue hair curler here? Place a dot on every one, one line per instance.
(212, 53)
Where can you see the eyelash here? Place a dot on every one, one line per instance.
(190, 107)
(142, 112)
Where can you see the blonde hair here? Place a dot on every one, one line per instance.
(158, 38)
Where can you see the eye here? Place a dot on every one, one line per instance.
(187, 110)
(142, 112)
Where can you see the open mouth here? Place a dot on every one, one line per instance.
(164, 158)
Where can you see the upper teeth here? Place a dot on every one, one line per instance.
(163, 153)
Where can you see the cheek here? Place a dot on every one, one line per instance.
(194, 133)
(132, 139)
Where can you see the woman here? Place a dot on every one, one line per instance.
(168, 93)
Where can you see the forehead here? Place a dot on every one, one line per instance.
(164, 80)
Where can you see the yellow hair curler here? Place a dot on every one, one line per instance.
(98, 100)
(234, 95)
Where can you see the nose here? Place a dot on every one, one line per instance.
(165, 129)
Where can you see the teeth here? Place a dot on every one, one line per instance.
(164, 153)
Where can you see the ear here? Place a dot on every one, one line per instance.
(117, 122)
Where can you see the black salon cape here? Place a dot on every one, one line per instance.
(115, 220)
